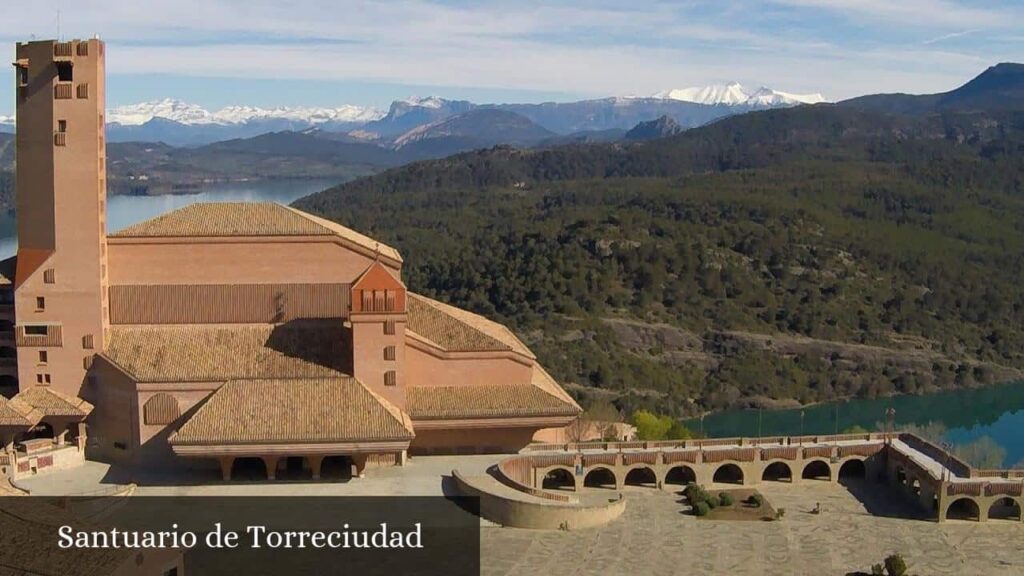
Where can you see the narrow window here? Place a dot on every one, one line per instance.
(390, 378)
(22, 76)
(87, 342)
(39, 378)
(64, 73)
(49, 276)
(42, 356)
(389, 327)
(62, 126)
(46, 378)
(40, 303)
(389, 352)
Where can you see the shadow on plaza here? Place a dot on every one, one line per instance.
(247, 471)
(880, 499)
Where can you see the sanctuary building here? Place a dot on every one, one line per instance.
(225, 331)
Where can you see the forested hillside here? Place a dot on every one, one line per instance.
(781, 256)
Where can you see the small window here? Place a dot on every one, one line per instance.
(46, 378)
(22, 75)
(87, 342)
(36, 330)
(389, 352)
(49, 276)
(42, 356)
(39, 378)
(120, 445)
(389, 378)
(389, 326)
(40, 303)
(87, 362)
(64, 72)
(62, 126)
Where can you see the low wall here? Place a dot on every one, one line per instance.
(538, 515)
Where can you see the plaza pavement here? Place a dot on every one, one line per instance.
(655, 536)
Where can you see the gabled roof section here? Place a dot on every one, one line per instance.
(8, 270)
(226, 219)
(18, 413)
(455, 330)
(28, 261)
(218, 352)
(377, 277)
(304, 410)
(53, 403)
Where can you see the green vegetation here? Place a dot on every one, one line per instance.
(650, 426)
(701, 509)
(788, 256)
(726, 499)
(755, 500)
(893, 565)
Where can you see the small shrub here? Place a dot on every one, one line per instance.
(695, 493)
(701, 509)
(895, 565)
(713, 502)
(726, 499)
(780, 513)
(755, 500)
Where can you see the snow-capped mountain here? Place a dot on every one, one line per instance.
(7, 123)
(192, 114)
(731, 94)
(734, 94)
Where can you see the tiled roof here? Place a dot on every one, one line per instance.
(457, 330)
(293, 410)
(28, 526)
(53, 403)
(28, 261)
(17, 412)
(484, 401)
(204, 353)
(217, 219)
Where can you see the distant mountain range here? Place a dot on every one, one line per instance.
(183, 124)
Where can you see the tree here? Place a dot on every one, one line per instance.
(598, 419)
(650, 426)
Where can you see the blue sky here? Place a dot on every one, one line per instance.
(332, 52)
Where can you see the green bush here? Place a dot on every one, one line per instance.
(755, 500)
(726, 499)
(701, 509)
(713, 502)
(695, 493)
(895, 565)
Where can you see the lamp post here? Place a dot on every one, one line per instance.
(890, 418)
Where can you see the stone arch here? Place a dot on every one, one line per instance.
(248, 468)
(336, 468)
(600, 477)
(641, 476)
(915, 486)
(559, 479)
(777, 471)
(901, 475)
(161, 409)
(1005, 509)
(963, 508)
(728, 473)
(817, 470)
(681, 474)
(854, 468)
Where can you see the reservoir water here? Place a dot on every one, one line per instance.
(994, 411)
(127, 210)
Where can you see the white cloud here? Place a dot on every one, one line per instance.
(916, 13)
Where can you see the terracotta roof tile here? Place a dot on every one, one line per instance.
(274, 411)
(17, 412)
(457, 330)
(203, 353)
(484, 401)
(217, 219)
(53, 403)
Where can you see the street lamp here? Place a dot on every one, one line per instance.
(890, 417)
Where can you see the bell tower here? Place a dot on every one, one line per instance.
(60, 287)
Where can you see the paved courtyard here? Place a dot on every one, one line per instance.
(655, 536)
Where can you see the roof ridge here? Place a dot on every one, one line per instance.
(347, 233)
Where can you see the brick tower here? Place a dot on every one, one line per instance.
(60, 282)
